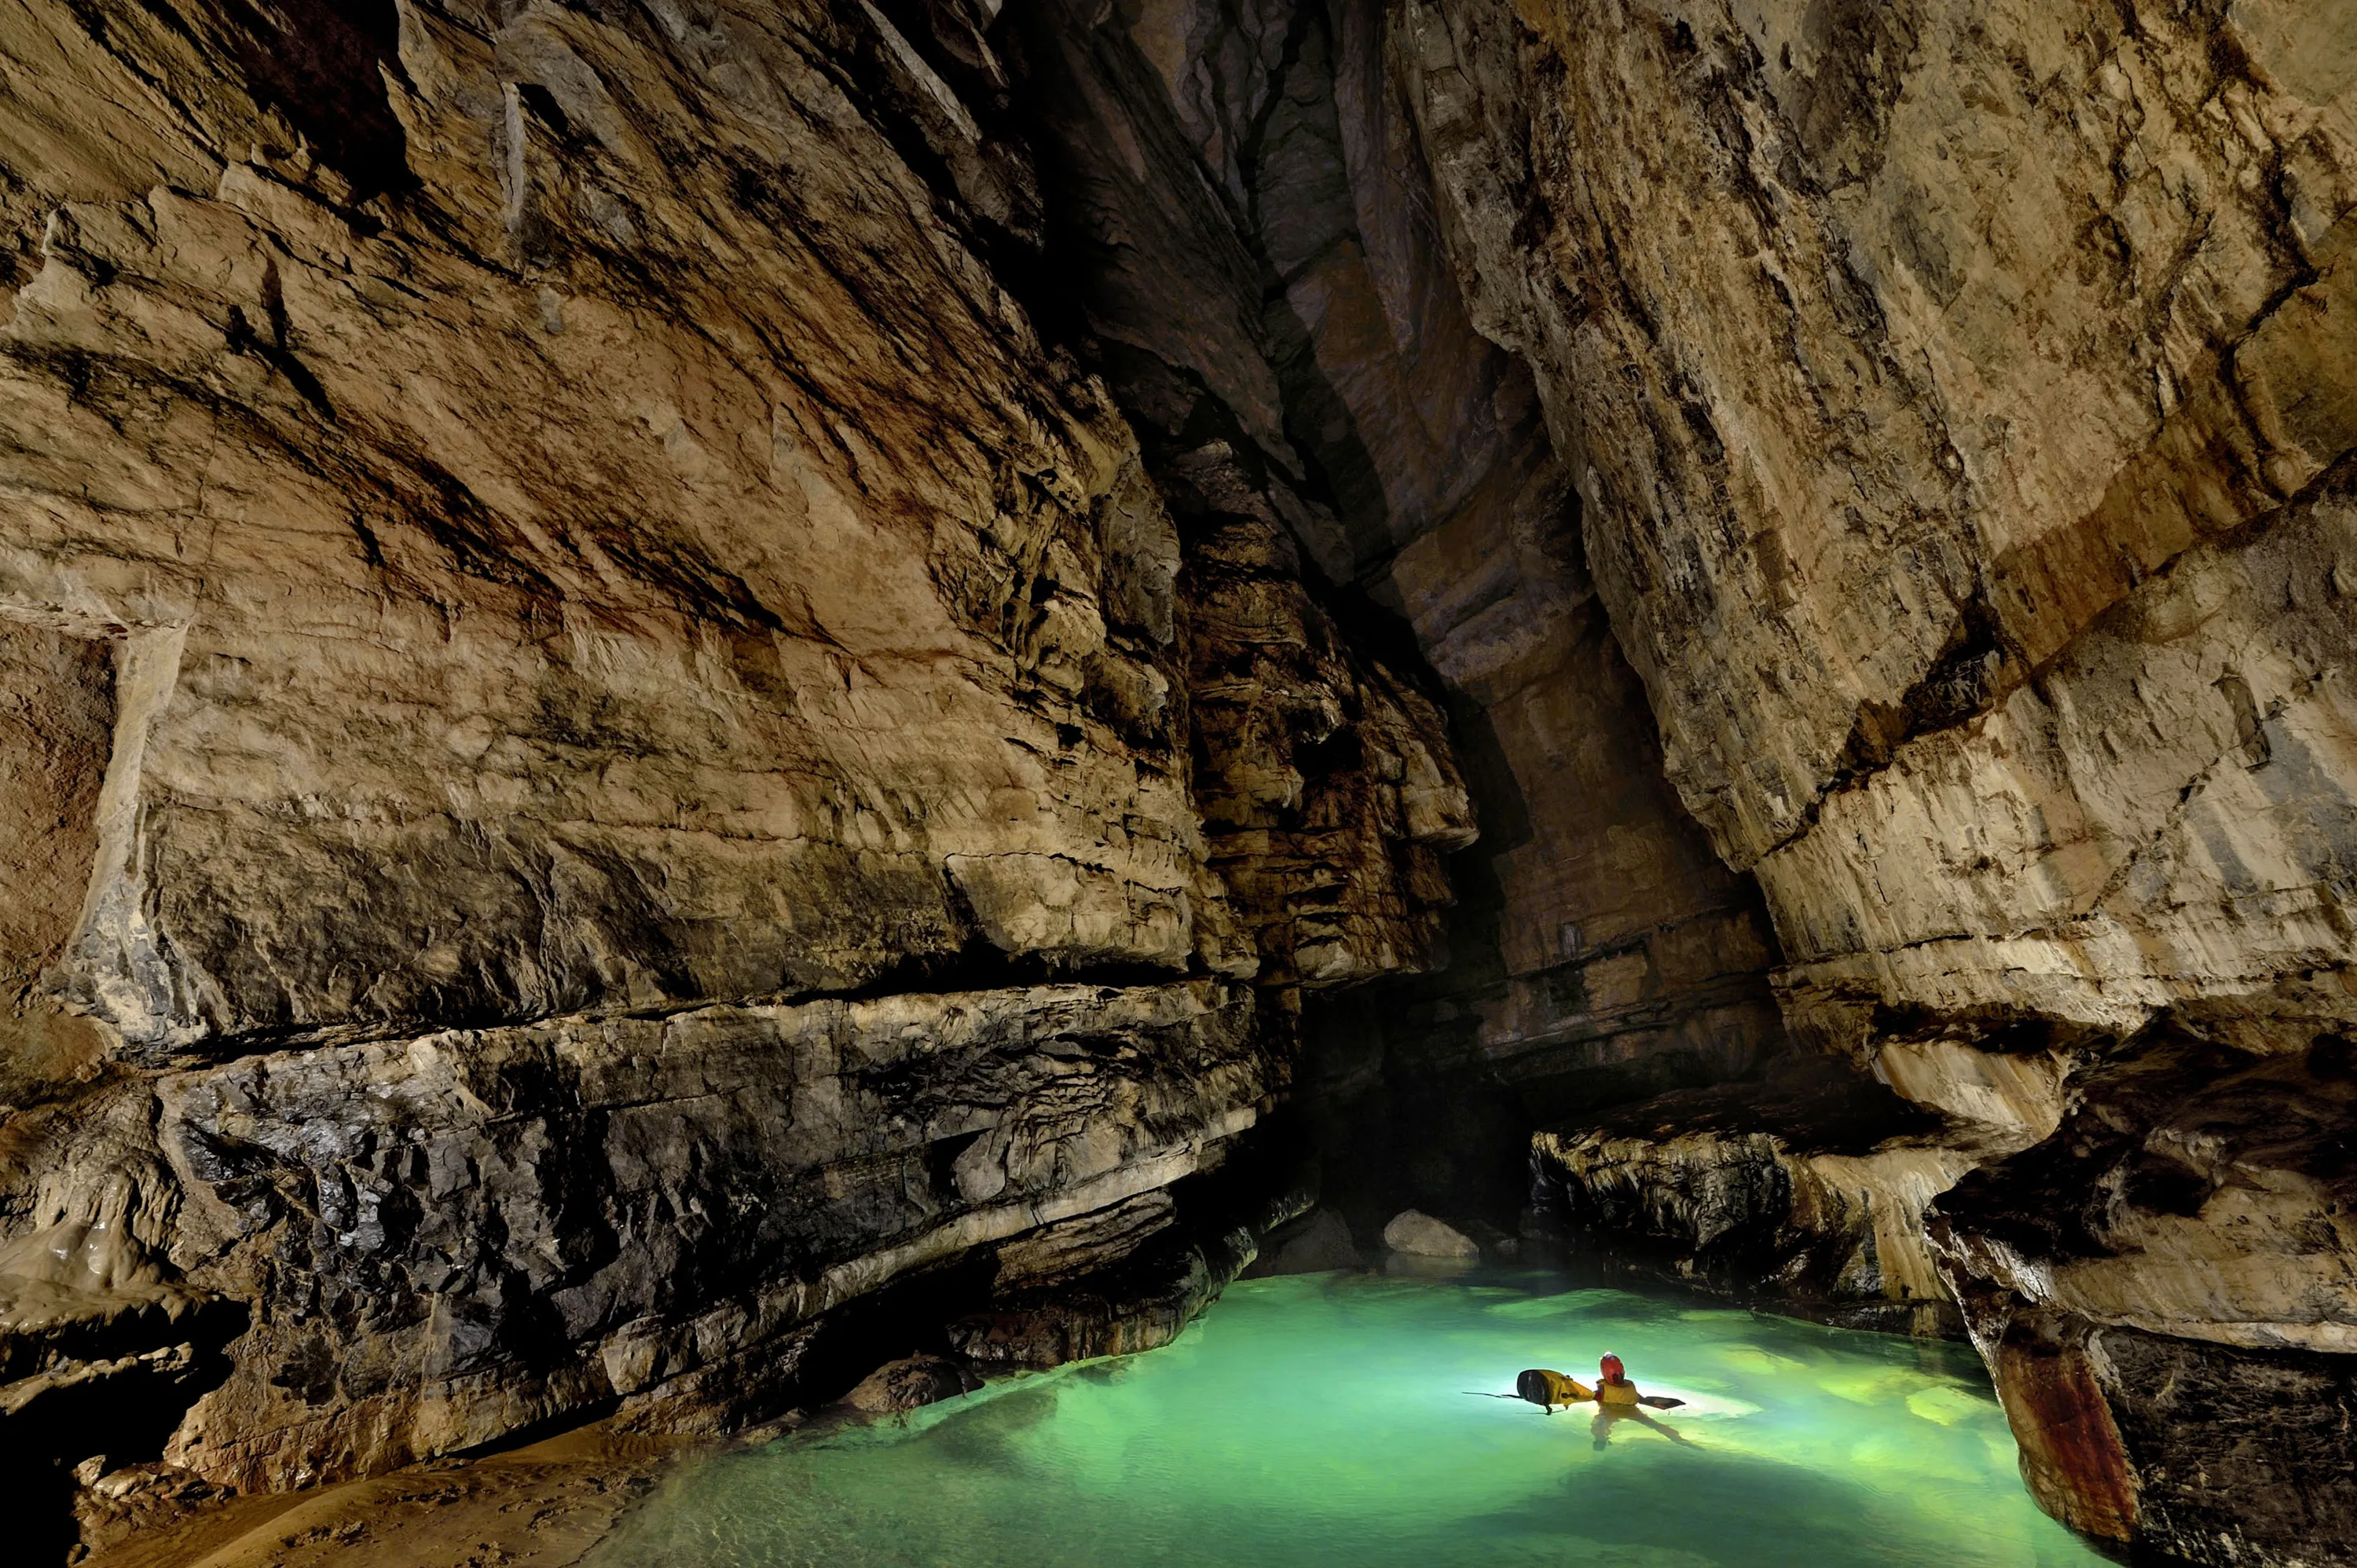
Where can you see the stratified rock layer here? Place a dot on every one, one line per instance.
(448, 1238)
(1961, 401)
(667, 673)
(607, 750)
(1240, 196)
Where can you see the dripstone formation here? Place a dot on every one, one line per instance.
(696, 696)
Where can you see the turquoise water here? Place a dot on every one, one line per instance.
(1321, 1420)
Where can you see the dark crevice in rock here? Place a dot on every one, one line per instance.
(320, 63)
(114, 1391)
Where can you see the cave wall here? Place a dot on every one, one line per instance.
(634, 754)
(1896, 353)
(1240, 200)
(1961, 401)
(665, 665)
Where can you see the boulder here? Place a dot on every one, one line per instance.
(1319, 1242)
(909, 1382)
(1420, 1235)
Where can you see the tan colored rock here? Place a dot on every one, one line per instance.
(911, 1384)
(1302, 306)
(568, 656)
(2194, 1193)
(1960, 405)
(471, 526)
(2159, 821)
(1811, 1190)
(1420, 1235)
(1848, 294)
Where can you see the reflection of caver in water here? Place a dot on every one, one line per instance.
(1610, 1416)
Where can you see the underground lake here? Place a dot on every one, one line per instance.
(1341, 1419)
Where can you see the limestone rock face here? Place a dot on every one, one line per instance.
(1242, 198)
(1961, 402)
(542, 674)
(670, 678)
(608, 742)
(2192, 1191)
(1936, 289)
(1317, 1243)
(681, 1198)
(910, 1383)
(1808, 1192)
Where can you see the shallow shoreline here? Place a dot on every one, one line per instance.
(544, 1505)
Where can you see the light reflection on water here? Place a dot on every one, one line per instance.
(1322, 1420)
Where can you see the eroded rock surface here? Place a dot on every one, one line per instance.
(609, 749)
(1960, 400)
(670, 677)
(1807, 1192)
(1240, 199)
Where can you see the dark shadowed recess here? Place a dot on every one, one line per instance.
(320, 63)
(168, 1364)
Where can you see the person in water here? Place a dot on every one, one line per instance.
(1613, 1389)
(1616, 1399)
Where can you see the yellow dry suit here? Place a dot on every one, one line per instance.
(1622, 1395)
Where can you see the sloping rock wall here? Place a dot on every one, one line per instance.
(659, 666)
(608, 749)
(1961, 402)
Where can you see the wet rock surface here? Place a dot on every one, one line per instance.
(911, 1384)
(681, 1200)
(1420, 1235)
(541, 1506)
(1319, 1242)
(1806, 1190)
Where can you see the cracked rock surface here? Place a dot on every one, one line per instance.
(608, 751)
(1961, 402)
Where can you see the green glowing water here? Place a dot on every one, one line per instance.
(1321, 1420)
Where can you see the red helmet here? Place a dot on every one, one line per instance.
(1611, 1366)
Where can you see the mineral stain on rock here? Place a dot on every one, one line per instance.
(694, 701)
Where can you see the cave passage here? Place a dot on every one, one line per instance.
(1323, 1419)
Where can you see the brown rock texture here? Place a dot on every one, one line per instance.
(604, 748)
(684, 689)
(1240, 197)
(1961, 403)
